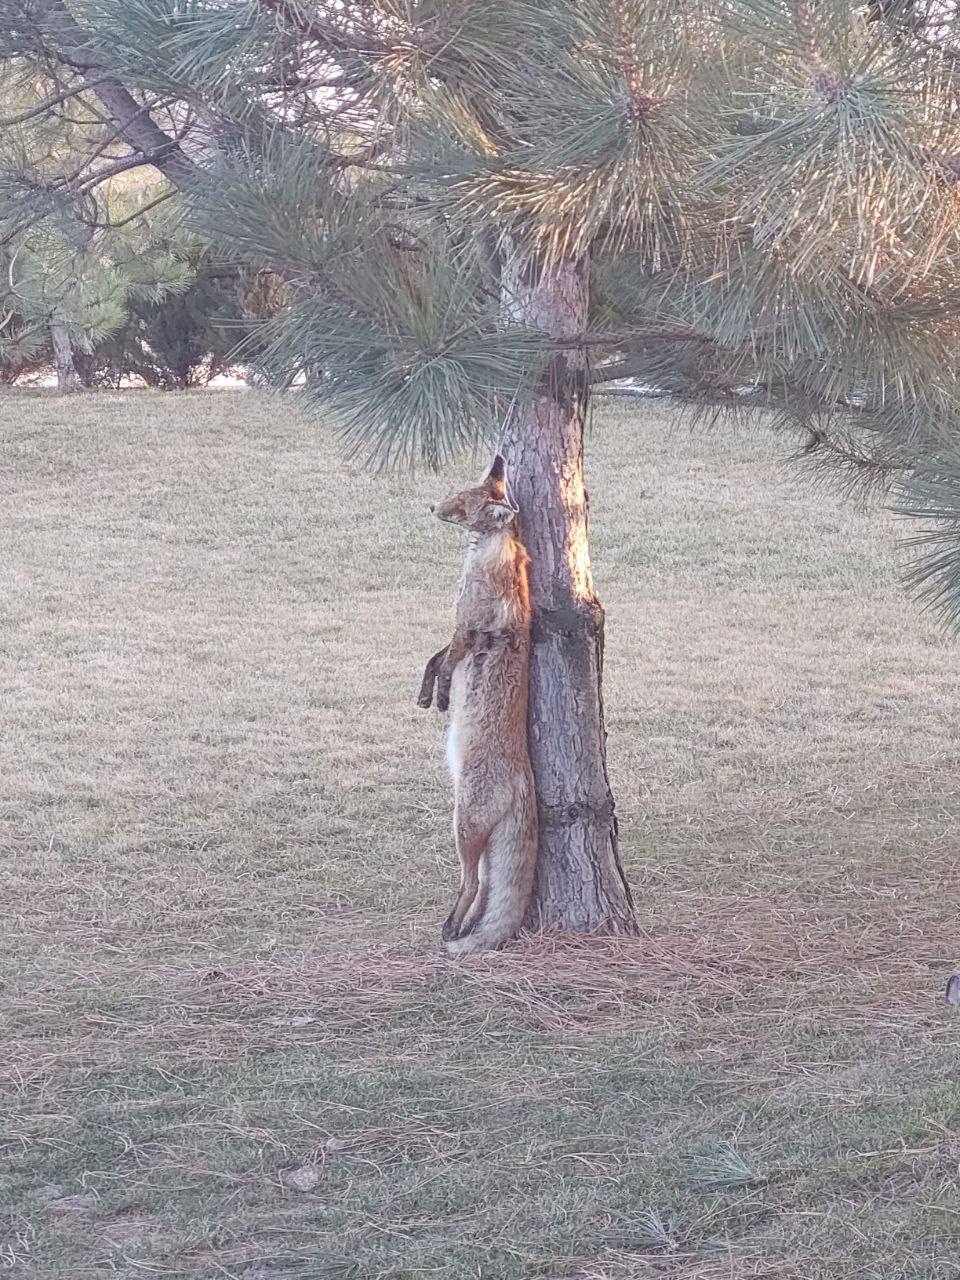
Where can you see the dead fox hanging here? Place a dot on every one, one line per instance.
(484, 675)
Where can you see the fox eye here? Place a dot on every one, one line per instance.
(501, 511)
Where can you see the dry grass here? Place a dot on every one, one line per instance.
(231, 1048)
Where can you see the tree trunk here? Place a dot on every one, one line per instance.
(67, 377)
(580, 885)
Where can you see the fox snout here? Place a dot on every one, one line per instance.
(453, 510)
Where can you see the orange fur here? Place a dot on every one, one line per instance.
(487, 668)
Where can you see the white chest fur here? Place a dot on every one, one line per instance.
(454, 742)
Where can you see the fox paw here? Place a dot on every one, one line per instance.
(450, 929)
(469, 943)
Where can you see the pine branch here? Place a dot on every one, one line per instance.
(133, 121)
(327, 38)
(844, 460)
(103, 224)
(930, 494)
(48, 104)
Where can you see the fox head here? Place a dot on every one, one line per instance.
(484, 508)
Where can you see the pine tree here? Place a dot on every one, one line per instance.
(66, 294)
(73, 258)
(23, 341)
(482, 209)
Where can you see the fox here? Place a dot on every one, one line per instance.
(483, 676)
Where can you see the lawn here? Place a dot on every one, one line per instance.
(230, 1046)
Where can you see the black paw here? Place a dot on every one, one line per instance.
(424, 699)
(450, 929)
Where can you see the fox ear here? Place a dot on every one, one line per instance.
(495, 481)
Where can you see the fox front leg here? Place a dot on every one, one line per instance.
(440, 669)
(425, 696)
(456, 651)
(444, 680)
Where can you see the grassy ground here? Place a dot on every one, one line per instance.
(230, 1047)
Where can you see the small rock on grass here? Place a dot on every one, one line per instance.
(303, 1179)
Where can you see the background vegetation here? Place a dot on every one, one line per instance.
(230, 1046)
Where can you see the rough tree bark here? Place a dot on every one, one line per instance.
(580, 885)
(67, 377)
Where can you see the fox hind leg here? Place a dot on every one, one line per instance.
(472, 838)
(506, 881)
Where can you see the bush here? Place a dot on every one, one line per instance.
(179, 341)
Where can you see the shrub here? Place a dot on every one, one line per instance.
(178, 341)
